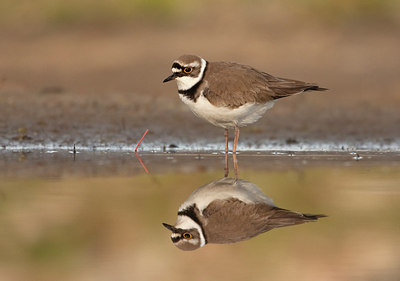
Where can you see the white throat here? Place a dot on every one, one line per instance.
(186, 82)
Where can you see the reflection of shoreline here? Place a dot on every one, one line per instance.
(40, 164)
(228, 211)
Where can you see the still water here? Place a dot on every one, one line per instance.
(98, 216)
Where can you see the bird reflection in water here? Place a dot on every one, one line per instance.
(228, 211)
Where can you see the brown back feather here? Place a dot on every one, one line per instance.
(232, 85)
(231, 220)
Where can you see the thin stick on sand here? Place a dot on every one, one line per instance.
(145, 133)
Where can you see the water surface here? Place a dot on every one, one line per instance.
(98, 217)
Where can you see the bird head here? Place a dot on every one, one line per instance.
(184, 239)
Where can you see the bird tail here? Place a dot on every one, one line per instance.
(283, 217)
(314, 217)
(315, 88)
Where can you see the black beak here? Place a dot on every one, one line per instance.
(170, 227)
(171, 77)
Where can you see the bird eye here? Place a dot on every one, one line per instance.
(187, 235)
(187, 70)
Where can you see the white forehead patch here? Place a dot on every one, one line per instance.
(193, 241)
(175, 235)
(193, 64)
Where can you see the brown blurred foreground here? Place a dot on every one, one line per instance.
(109, 227)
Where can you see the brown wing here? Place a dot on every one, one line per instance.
(233, 85)
(231, 220)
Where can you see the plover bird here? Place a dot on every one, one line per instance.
(228, 211)
(230, 95)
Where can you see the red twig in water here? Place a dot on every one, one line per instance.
(145, 133)
(140, 160)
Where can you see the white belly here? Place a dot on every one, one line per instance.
(223, 189)
(226, 117)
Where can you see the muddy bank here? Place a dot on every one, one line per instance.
(53, 121)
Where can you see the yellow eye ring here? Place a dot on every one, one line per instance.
(188, 70)
(187, 235)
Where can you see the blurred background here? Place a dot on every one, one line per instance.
(90, 72)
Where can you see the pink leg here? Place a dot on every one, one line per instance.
(235, 163)
(226, 153)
